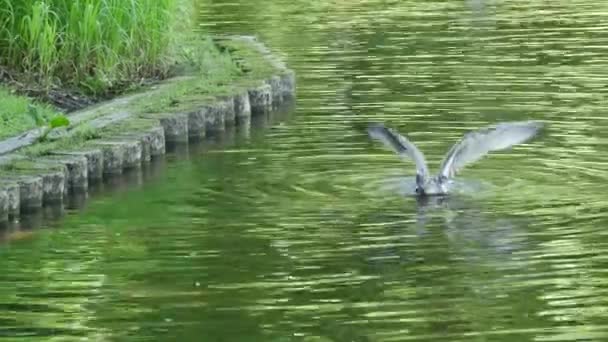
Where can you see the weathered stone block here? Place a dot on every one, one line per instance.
(94, 165)
(130, 149)
(144, 147)
(226, 107)
(242, 108)
(12, 191)
(53, 186)
(133, 154)
(260, 99)
(276, 90)
(288, 85)
(156, 139)
(175, 127)
(30, 191)
(54, 176)
(215, 118)
(4, 202)
(196, 124)
(112, 156)
(77, 169)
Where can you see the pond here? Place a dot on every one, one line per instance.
(298, 231)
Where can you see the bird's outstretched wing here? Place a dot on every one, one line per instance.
(475, 145)
(402, 146)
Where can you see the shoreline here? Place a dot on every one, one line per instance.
(114, 137)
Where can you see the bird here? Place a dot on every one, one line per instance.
(473, 146)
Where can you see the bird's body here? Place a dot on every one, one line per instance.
(432, 186)
(472, 147)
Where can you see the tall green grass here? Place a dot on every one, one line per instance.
(94, 45)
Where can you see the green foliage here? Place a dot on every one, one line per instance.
(35, 114)
(49, 123)
(59, 121)
(19, 113)
(95, 45)
(98, 47)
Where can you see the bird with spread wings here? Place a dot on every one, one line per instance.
(471, 148)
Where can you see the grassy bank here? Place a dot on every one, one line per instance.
(178, 96)
(16, 113)
(71, 53)
(93, 46)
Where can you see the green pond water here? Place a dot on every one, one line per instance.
(297, 230)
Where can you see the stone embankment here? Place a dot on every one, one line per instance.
(123, 134)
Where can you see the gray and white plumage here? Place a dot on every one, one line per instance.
(471, 148)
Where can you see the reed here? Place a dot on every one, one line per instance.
(93, 45)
